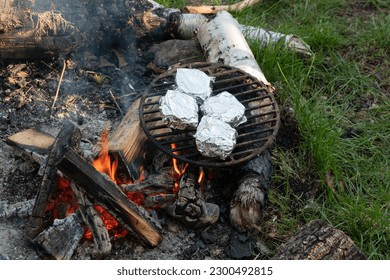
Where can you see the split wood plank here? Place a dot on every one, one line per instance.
(105, 192)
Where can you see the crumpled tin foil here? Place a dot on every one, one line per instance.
(214, 138)
(179, 110)
(225, 107)
(194, 82)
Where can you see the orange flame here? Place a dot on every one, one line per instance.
(103, 162)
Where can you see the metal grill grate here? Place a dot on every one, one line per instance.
(254, 136)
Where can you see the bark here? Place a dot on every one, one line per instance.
(319, 241)
(223, 42)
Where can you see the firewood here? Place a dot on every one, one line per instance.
(66, 137)
(129, 140)
(190, 206)
(61, 239)
(105, 192)
(319, 240)
(92, 219)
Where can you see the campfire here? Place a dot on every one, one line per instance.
(144, 170)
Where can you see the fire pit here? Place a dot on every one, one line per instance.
(254, 137)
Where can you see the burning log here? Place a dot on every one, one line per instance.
(190, 206)
(106, 193)
(65, 138)
(94, 222)
(129, 140)
(61, 239)
(319, 241)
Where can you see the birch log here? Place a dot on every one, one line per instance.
(223, 42)
(186, 26)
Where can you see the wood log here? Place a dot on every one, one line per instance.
(105, 192)
(319, 241)
(190, 206)
(66, 137)
(223, 42)
(61, 239)
(92, 219)
(130, 140)
(204, 9)
(39, 29)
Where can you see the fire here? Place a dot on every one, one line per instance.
(103, 162)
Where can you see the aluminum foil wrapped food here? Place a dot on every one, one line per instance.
(214, 138)
(179, 110)
(194, 82)
(225, 107)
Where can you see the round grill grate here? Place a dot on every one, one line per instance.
(254, 136)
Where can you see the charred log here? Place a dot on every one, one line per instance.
(190, 206)
(65, 138)
(105, 192)
(61, 239)
(94, 222)
(319, 241)
(39, 29)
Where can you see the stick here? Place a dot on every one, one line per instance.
(59, 85)
(116, 103)
(214, 9)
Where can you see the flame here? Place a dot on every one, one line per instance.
(201, 176)
(103, 162)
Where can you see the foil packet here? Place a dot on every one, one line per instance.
(194, 83)
(225, 107)
(214, 138)
(179, 110)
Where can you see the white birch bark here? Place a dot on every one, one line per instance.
(222, 41)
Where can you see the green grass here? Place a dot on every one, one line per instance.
(340, 100)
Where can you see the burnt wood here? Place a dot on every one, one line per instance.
(60, 240)
(43, 29)
(190, 206)
(65, 138)
(319, 240)
(103, 191)
(92, 219)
